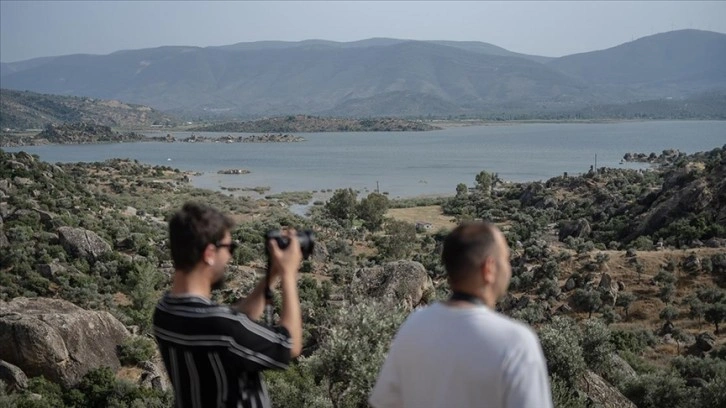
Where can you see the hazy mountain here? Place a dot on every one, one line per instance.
(26, 110)
(670, 64)
(380, 76)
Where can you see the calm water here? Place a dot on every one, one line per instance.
(407, 164)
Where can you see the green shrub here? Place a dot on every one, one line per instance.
(561, 345)
(657, 391)
(136, 349)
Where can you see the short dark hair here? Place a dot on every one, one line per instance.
(191, 229)
(466, 247)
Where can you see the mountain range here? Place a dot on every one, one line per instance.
(381, 76)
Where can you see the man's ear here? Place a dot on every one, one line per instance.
(208, 254)
(488, 270)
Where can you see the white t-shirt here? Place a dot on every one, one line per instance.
(463, 357)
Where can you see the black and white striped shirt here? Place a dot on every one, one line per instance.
(215, 355)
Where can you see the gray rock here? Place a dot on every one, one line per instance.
(13, 376)
(7, 187)
(692, 263)
(320, 253)
(705, 342)
(696, 382)
(154, 375)
(578, 229)
(46, 218)
(82, 243)
(622, 367)
(602, 393)
(716, 243)
(606, 281)
(402, 282)
(51, 270)
(16, 165)
(57, 339)
(25, 157)
(3, 238)
(570, 284)
(22, 181)
(564, 309)
(531, 194)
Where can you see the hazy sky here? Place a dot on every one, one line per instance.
(30, 29)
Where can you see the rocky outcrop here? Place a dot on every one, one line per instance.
(532, 194)
(608, 289)
(51, 270)
(693, 198)
(602, 393)
(80, 133)
(321, 253)
(57, 339)
(3, 238)
(13, 376)
(577, 229)
(705, 342)
(82, 243)
(280, 138)
(403, 282)
(622, 367)
(234, 171)
(154, 375)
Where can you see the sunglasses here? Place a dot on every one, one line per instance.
(232, 246)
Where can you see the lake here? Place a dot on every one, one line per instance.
(406, 164)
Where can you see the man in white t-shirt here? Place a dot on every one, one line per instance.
(461, 353)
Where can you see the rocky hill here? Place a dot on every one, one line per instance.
(304, 123)
(29, 110)
(70, 133)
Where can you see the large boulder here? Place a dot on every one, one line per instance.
(320, 253)
(3, 238)
(13, 376)
(153, 375)
(82, 243)
(577, 229)
(57, 339)
(705, 342)
(622, 367)
(403, 282)
(602, 393)
(608, 289)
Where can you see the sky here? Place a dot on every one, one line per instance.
(30, 29)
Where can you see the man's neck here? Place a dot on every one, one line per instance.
(482, 294)
(190, 283)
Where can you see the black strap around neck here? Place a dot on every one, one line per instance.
(465, 297)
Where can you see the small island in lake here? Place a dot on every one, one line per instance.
(234, 171)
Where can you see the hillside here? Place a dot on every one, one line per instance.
(29, 110)
(382, 77)
(673, 64)
(621, 272)
(301, 79)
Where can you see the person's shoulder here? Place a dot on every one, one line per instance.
(519, 333)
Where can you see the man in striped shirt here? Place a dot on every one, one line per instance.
(215, 354)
